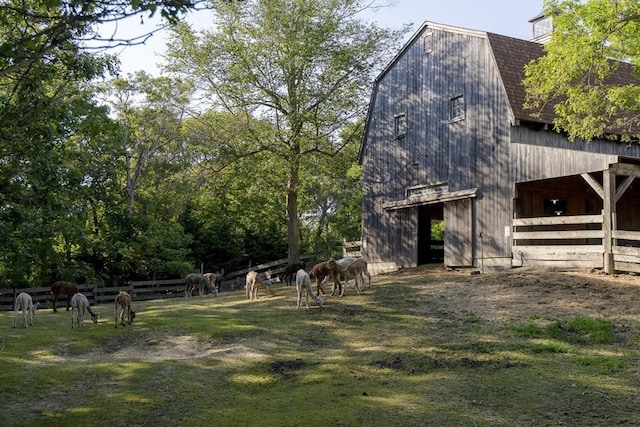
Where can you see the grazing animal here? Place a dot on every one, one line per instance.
(123, 307)
(357, 268)
(196, 280)
(320, 271)
(24, 302)
(253, 283)
(303, 286)
(80, 303)
(216, 281)
(63, 288)
(289, 273)
(336, 272)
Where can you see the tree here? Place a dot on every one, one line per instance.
(150, 111)
(305, 66)
(594, 42)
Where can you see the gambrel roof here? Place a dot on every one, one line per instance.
(511, 56)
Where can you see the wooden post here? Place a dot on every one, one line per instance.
(608, 218)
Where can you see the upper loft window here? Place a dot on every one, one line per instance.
(427, 43)
(457, 108)
(400, 125)
(542, 27)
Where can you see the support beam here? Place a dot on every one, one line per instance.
(624, 187)
(594, 184)
(608, 224)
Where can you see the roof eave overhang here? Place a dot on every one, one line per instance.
(430, 199)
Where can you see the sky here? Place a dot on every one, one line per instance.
(506, 17)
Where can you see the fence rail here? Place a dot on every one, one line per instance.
(144, 290)
(572, 241)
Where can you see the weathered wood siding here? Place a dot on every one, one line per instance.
(467, 153)
(539, 154)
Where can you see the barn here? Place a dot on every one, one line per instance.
(448, 143)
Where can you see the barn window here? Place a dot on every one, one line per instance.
(427, 43)
(456, 108)
(400, 125)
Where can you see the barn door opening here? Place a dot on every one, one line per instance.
(430, 234)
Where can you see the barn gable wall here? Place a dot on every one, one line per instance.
(462, 154)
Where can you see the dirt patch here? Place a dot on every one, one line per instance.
(540, 294)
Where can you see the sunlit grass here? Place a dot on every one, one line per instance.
(389, 357)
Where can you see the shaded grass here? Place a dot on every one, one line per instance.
(397, 355)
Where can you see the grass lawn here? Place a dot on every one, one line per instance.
(422, 347)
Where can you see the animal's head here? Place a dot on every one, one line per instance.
(133, 315)
(94, 317)
(331, 263)
(319, 300)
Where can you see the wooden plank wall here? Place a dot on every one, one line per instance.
(473, 152)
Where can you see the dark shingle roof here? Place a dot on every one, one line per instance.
(511, 57)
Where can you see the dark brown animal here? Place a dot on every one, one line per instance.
(63, 288)
(290, 271)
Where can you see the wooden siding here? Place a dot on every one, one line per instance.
(489, 150)
(539, 154)
(467, 153)
(459, 235)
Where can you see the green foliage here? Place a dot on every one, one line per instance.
(575, 72)
(581, 330)
(303, 67)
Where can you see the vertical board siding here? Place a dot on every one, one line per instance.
(464, 154)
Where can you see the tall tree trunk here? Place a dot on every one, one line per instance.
(293, 229)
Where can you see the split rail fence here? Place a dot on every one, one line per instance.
(145, 290)
(573, 241)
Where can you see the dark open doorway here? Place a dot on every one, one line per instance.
(431, 234)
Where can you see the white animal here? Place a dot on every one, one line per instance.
(79, 303)
(123, 307)
(303, 286)
(24, 302)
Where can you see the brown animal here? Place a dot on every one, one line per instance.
(253, 283)
(320, 271)
(123, 306)
(63, 288)
(337, 271)
(216, 281)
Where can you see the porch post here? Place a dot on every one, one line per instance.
(608, 218)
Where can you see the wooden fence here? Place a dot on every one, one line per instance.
(572, 241)
(145, 290)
